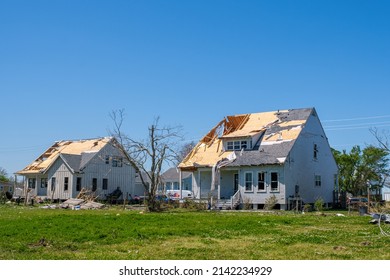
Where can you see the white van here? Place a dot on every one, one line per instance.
(175, 194)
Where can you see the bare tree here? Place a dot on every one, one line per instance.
(183, 151)
(382, 138)
(147, 157)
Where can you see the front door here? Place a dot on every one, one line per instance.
(235, 183)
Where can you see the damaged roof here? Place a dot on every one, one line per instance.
(272, 133)
(75, 153)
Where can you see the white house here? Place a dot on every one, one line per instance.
(68, 166)
(248, 158)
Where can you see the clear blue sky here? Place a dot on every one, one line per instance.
(66, 64)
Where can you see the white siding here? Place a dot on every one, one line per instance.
(259, 197)
(59, 171)
(118, 177)
(301, 167)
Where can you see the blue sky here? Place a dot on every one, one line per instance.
(65, 65)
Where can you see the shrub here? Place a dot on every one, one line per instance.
(270, 202)
(247, 203)
(319, 204)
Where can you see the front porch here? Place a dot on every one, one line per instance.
(233, 188)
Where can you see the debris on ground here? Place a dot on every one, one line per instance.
(87, 195)
(383, 218)
(77, 204)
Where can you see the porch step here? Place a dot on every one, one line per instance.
(225, 204)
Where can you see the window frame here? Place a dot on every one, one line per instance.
(94, 184)
(263, 181)
(317, 181)
(66, 184)
(272, 182)
(78, 184)
(248, 182)
(315, 151)
(105, 184)
(44, 183)
(117, 161)
(238, 145)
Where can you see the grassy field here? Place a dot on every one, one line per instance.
(48, 234)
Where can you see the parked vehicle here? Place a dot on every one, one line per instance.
(357, 200)
(175, 194)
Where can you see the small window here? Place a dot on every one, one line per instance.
(317, 179)
(66, 183)
(78, 184)
(117, 162)
(274, 182)
(105, 184)
(315, 151)
(94, 184)
(44, 183)
(248, 181)
(237, 145)
(261, 181)
(107, 159)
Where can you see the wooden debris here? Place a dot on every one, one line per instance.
(87, 195)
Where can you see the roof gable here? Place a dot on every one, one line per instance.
(76, 154)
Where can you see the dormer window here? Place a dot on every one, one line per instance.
(238, 145)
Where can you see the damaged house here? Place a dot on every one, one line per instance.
(246, 159)
(67, 167)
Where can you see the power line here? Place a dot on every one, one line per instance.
(357, 119)
(358, 125)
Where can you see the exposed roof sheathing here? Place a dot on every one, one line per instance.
(75, 153)
(276, 133)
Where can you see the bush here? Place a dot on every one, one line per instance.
(319, 204)
(270, 202)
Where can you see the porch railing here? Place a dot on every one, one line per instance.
(235, 200)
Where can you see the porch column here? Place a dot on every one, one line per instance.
(219, 186)
(180, 185)
(199, 186)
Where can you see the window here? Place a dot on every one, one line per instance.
(261, 181)
(53, 183)
(94, 184)
(44, 183)
(78, 184)
(66, 183)
(248, 181)
(274, 182)
(117, 161)
(238, 145)
(315, 151)
(107, 159)
(105, 184)
(317, 179)
(31, 183)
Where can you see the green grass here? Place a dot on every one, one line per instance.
(33, 233)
